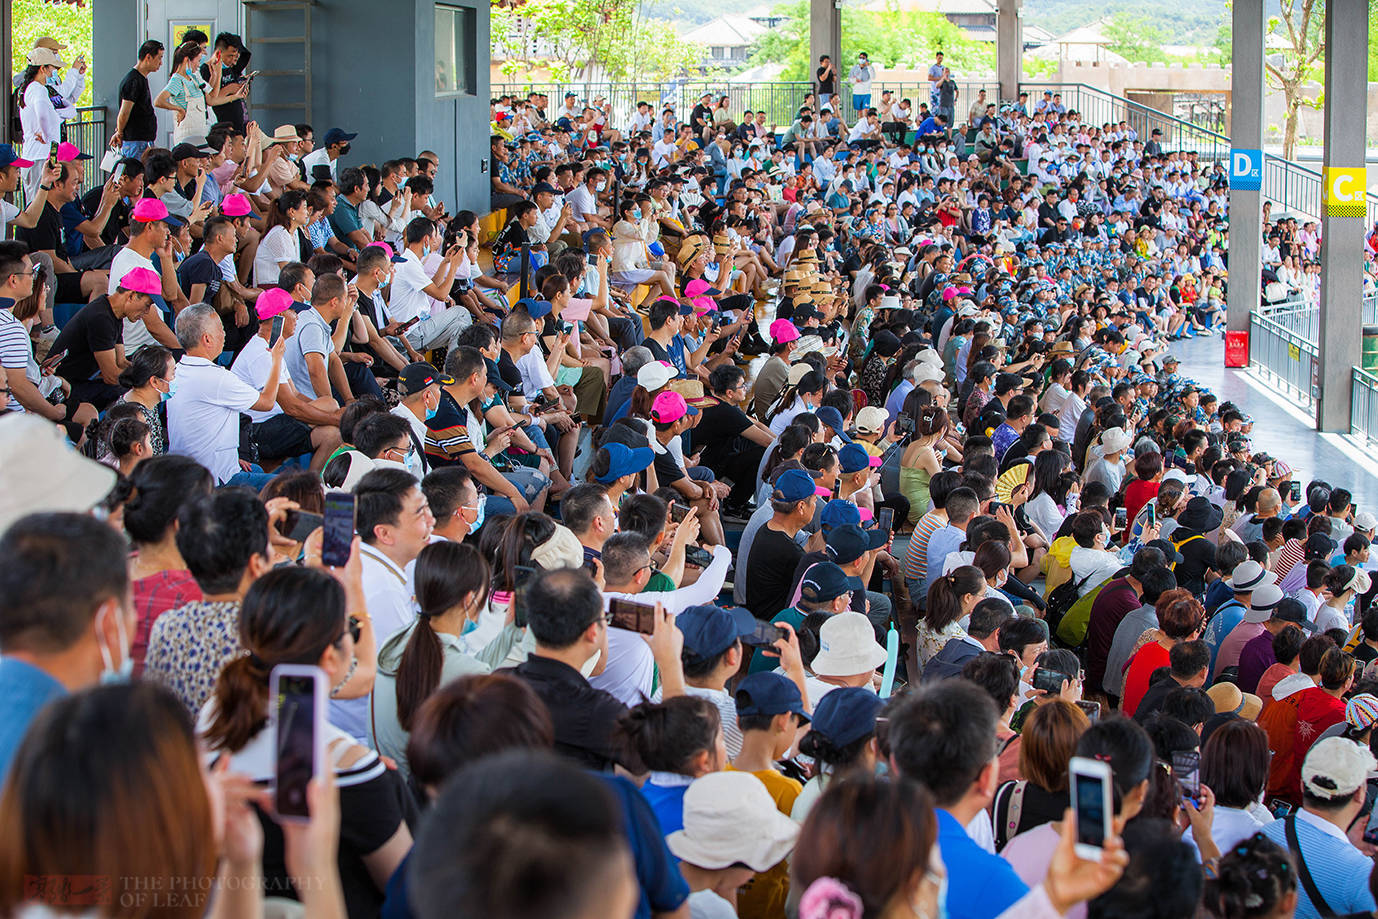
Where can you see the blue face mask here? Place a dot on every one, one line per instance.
(171, 390)
(431, 412)
(482, 510)
(636, 214)
(469, 626)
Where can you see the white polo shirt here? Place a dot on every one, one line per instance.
(316, 158)
(387, 594)
(409, 282)
(203, 415)
(253, 365)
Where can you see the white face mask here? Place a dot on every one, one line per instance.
(110, 673)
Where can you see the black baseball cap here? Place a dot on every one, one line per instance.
(416, 377)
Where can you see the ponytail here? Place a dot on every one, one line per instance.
(418, 673)
(945, 596)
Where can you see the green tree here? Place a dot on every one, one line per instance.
(68, 23)
(1299, 62)
(1136, 38)
(576, 37)
(890, 37)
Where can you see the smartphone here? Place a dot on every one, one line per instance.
(1092, 710)
(1186, 769)
(885, 519)
(1371, 827)
(1151, 518)
(593, 258)
(409, 323)
(1296, 490)
(52, 155)
(765, 635)
(339, 529)
(299, 693)
(298, 525)
(1121, 518)
(52, 360)
(1091, 802)
(1280, 808)
(994, 506)
(696, 555)
(678, 511)
(1045, 680)
(633, 617)
(276, 331)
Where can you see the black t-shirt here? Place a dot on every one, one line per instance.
(143, 122)
(716, 432)
(702, 113)
(46, 234)
(200, 269)
(1365, 653)
(120, 214)
(770, 572)
(667, 470)
(826, 87)
(94, 328)
(232, 111)
(507, 369)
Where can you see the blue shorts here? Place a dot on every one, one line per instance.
(861, 102)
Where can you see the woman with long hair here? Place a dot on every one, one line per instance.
(148, 383)
(678, 740)
(920, 461)
(1040, 795)
(1051, 499)
(37, 115)
(107, 785)
(295, 615)
(452, 582)
(951, 598)
(283, 241)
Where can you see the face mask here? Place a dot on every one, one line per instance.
(482, 511)
(109, 672)
(171, 389)
(469, 626)
(601, 185)
(425, 251)
(410, 461)
(431, 412)
(636, 214)
(344, 150)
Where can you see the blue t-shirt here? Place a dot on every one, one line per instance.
(24, 690)
(1339, 870)
(1229, 615)
(667, 801)
(979, 885)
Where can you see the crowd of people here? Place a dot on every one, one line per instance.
(872, 424)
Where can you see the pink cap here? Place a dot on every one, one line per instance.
(273, 302)
(387, 250)
(149, 210)
(866, 515)
(670, 407)
(783, 331)
(696, 287)
(949, 292)
(143, 281)
(69, 153)
(236, 205)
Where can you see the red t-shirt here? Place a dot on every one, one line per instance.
(1141, 666)
(1138, 493)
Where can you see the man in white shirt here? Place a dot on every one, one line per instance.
(413, 289)
(630, 669)
(394, 522)
(420, 384)
(295, 424)
(336, 145)
(203, 414)
(583, 201)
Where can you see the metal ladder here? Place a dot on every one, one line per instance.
(253, 10)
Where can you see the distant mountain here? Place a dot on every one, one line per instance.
(1186, 23)
(692, 11)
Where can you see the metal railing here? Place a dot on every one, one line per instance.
(90, 135)
(1363, 405)
(1303, 320)
(780, 100)
(1286, 356)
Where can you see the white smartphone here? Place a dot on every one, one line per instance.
(1092, 803)
(299, 693)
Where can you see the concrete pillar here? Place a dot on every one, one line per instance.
(1342, 288)
(1009, 48)
(825, 37)
(1246, 131)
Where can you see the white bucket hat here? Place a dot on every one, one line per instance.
(925, 372)
(1115, 440)
(730, 818)
(930, 356)
(1247, 575)
(847, 646)
(39, 471)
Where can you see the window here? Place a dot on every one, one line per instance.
(719, 52)
(455, 54)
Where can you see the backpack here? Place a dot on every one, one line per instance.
(1061, 601)
(1077, 620)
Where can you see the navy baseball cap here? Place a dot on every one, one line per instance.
(855, 458)
(796, 485)
(846, 714)
(849, 543)
(833, 419)
(825, 581)
(771, 694)
(537, 309)
(9, 158)
(839, 512)
(337, 136)
(624, 460)
(495, 377)
(710, 630)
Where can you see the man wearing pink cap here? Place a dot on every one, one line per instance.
(91, 340)
(203, 414)
(671, 416)
(774, 374)
(149, 234)
(295, 424)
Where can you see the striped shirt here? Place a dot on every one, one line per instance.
(15, 348)
(916, 556)
(1339, 870)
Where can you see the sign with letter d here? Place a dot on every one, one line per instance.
(1246, 169)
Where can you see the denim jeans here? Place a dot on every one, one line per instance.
(135, 148)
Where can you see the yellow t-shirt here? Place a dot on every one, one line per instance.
(763, 897)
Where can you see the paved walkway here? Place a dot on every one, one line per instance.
(1336, 459)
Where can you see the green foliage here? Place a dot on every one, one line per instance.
(68, 23)
(1195, 22)
(1136, 38)
(572, 36)
(891, 38)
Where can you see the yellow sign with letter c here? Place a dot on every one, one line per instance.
(1345, 191)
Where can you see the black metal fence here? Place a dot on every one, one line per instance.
(90, 135)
